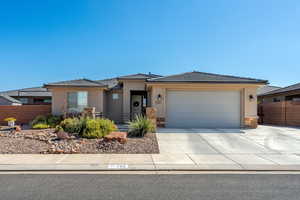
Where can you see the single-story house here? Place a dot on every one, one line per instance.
(187, 100)
(289, 93)
(29, 96)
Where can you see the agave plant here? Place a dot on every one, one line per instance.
(140, 126)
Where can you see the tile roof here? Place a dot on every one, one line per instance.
(111, 83)
(203, 77)
(76, 83)
(265, 89)
(10, 99)
(139, 76)
(27, 92)
(285, 89)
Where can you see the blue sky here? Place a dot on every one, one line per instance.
(53, 40)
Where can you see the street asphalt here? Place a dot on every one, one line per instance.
(151, 186)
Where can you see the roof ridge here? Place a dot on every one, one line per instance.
(91, 81)
(168, 76)
(230, 76)
(80, 79)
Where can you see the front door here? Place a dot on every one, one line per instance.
(136, 105)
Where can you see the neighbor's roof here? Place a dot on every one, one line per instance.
(201, 77)
(10, 99)
(111, 83)
(265, 89)
(138, 76)
(76, 83)
(28, 92)
(285, 89)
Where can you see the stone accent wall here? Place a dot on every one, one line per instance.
(24, 114)
(251, 122)
(151, 114)
(161, 122)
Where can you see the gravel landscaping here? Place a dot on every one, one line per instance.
(46, 141)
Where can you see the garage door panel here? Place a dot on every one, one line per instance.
(203, 109)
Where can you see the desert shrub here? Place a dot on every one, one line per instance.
(53, 120)
(140, 126)
(40, 119)
(97, 128)
(58, 128)
(40, 126)
(72, 125)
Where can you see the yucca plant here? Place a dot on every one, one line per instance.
(140, 126)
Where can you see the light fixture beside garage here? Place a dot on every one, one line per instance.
(251, 97)
(158, 97)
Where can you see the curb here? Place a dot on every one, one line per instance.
(135, 168)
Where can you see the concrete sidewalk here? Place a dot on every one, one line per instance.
(264, 148)
(144, 162)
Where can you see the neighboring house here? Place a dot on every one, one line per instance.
(30, 96)
(7, 100)
(188, 100)
(263, 90)
(290, 93)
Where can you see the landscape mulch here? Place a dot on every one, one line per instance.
(47, 142)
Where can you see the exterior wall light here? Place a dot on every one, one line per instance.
(159, 97)
(251, 97)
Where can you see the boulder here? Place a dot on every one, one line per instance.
(18, 128)
(119, 136)
(62, 135)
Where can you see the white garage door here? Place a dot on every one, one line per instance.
(203, 109)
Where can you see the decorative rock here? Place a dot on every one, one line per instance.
(119, 136)
(28, 136)
(62, 135)
(18, 128)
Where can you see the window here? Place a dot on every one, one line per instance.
(47, 100)
(24, 100)
(276, 99)
(77, 101)
(115, 96)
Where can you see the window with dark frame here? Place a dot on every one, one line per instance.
(77, 101)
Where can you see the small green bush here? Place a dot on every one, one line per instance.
(40, 119)
(40, 126)
(73, 125)
(140, 127)
(53, 120)
(98, 128)
(58, 128)
(50, 120)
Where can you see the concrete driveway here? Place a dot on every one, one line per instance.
(266, 145)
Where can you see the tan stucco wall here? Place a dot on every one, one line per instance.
(250, 105)
(130, 85)
(59, 98)
(248, 108)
